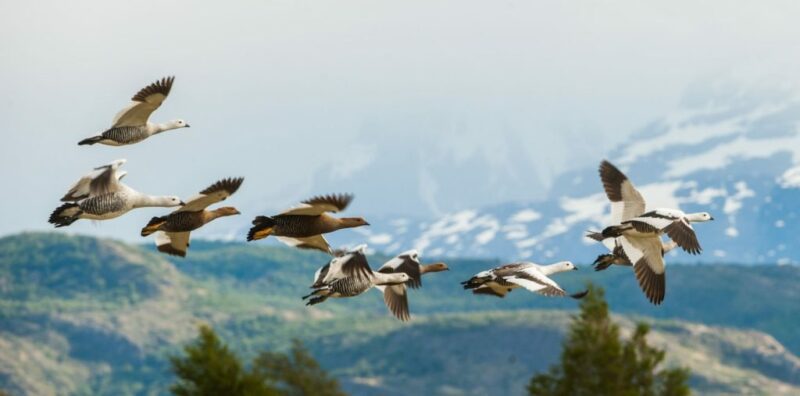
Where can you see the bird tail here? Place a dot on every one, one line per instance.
(603, 261)
(597, 236)
(579, 295)
(262, 228)
(473, 283)
(65, 214)
(153, 225)
(90, 141)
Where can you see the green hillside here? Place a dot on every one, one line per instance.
(80, 315)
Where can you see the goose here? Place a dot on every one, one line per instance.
(303, 225)
(531, 276)
(628, 216)
(173, 230)
(131, 124)
(99, 195)
(349, 275)
(396, 296)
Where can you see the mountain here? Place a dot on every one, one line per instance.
(732, 153)
(80, 315)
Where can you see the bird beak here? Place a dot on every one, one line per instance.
(182, 203)
(575, 268)
(237, 212)
(187, 125)
(366, 223)
(712, 218)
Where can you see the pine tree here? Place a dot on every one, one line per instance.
(297, 373)
(594, 361)
(211, 369)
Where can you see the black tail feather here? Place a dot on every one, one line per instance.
(597, 236)
(59, 219)
(90, 141)
(260, 223)
(580, 295)
(603, 261)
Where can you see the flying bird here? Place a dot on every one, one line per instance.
(99, 195)
(349, 275)
(131, 125)
(303, 226)
(172, 231)
(635, 236)
(396, 296)
(531, 276)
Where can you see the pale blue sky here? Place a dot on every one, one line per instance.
(416, 106)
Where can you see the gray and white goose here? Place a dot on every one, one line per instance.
(349, 275)
(131, 125)
(531, 276)
(101, 196)
(396, 296)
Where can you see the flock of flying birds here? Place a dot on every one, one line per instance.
(634, 236)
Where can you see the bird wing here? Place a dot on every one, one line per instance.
(648, 265)
(683, 234)
(351, 264)
(103, 179)
(216, 192)
(626, 201)
(145, 102)
(321, 204)
(173, 243)
(534, 280)
(396, 299)
(316, 242)
(408, 263)
(492, 289)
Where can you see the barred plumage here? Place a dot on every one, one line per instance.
(126, 134)
(183, 221)
(351, 286)
(104, 204)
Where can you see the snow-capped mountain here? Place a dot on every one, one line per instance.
(731, 155)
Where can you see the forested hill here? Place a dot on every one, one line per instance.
(89, 316)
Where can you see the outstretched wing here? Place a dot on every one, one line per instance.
(407, 262)
(318, 205)
(683, 234)
(216, 192)
(534, 280)
(316, 242)
(173, 243)
(101, 180)
(396, 299)
(145, 102)
(626, 201)
(648, 265)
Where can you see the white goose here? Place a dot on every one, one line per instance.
(533, 277)
(635, 236)
(349, 275)
(396, 296)
(101, 196)
(131, 124)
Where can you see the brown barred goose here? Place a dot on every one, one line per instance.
(533, 277)
(131, 124)
(303, 226)
(172, 231)
(396, 296)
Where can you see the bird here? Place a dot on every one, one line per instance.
(173, 230)
(628, 216)
(131, 124)
(531, 276)
(349, 275)
(396, 296)
(99, 195)
(618, 257)
(302, 226)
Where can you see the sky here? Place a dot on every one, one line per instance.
(417, 107)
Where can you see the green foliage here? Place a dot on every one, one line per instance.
(210, 368)
(297, 373)
(594, 361)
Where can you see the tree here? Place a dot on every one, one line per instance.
(594, 361)
(210, 368)
(296, 373)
